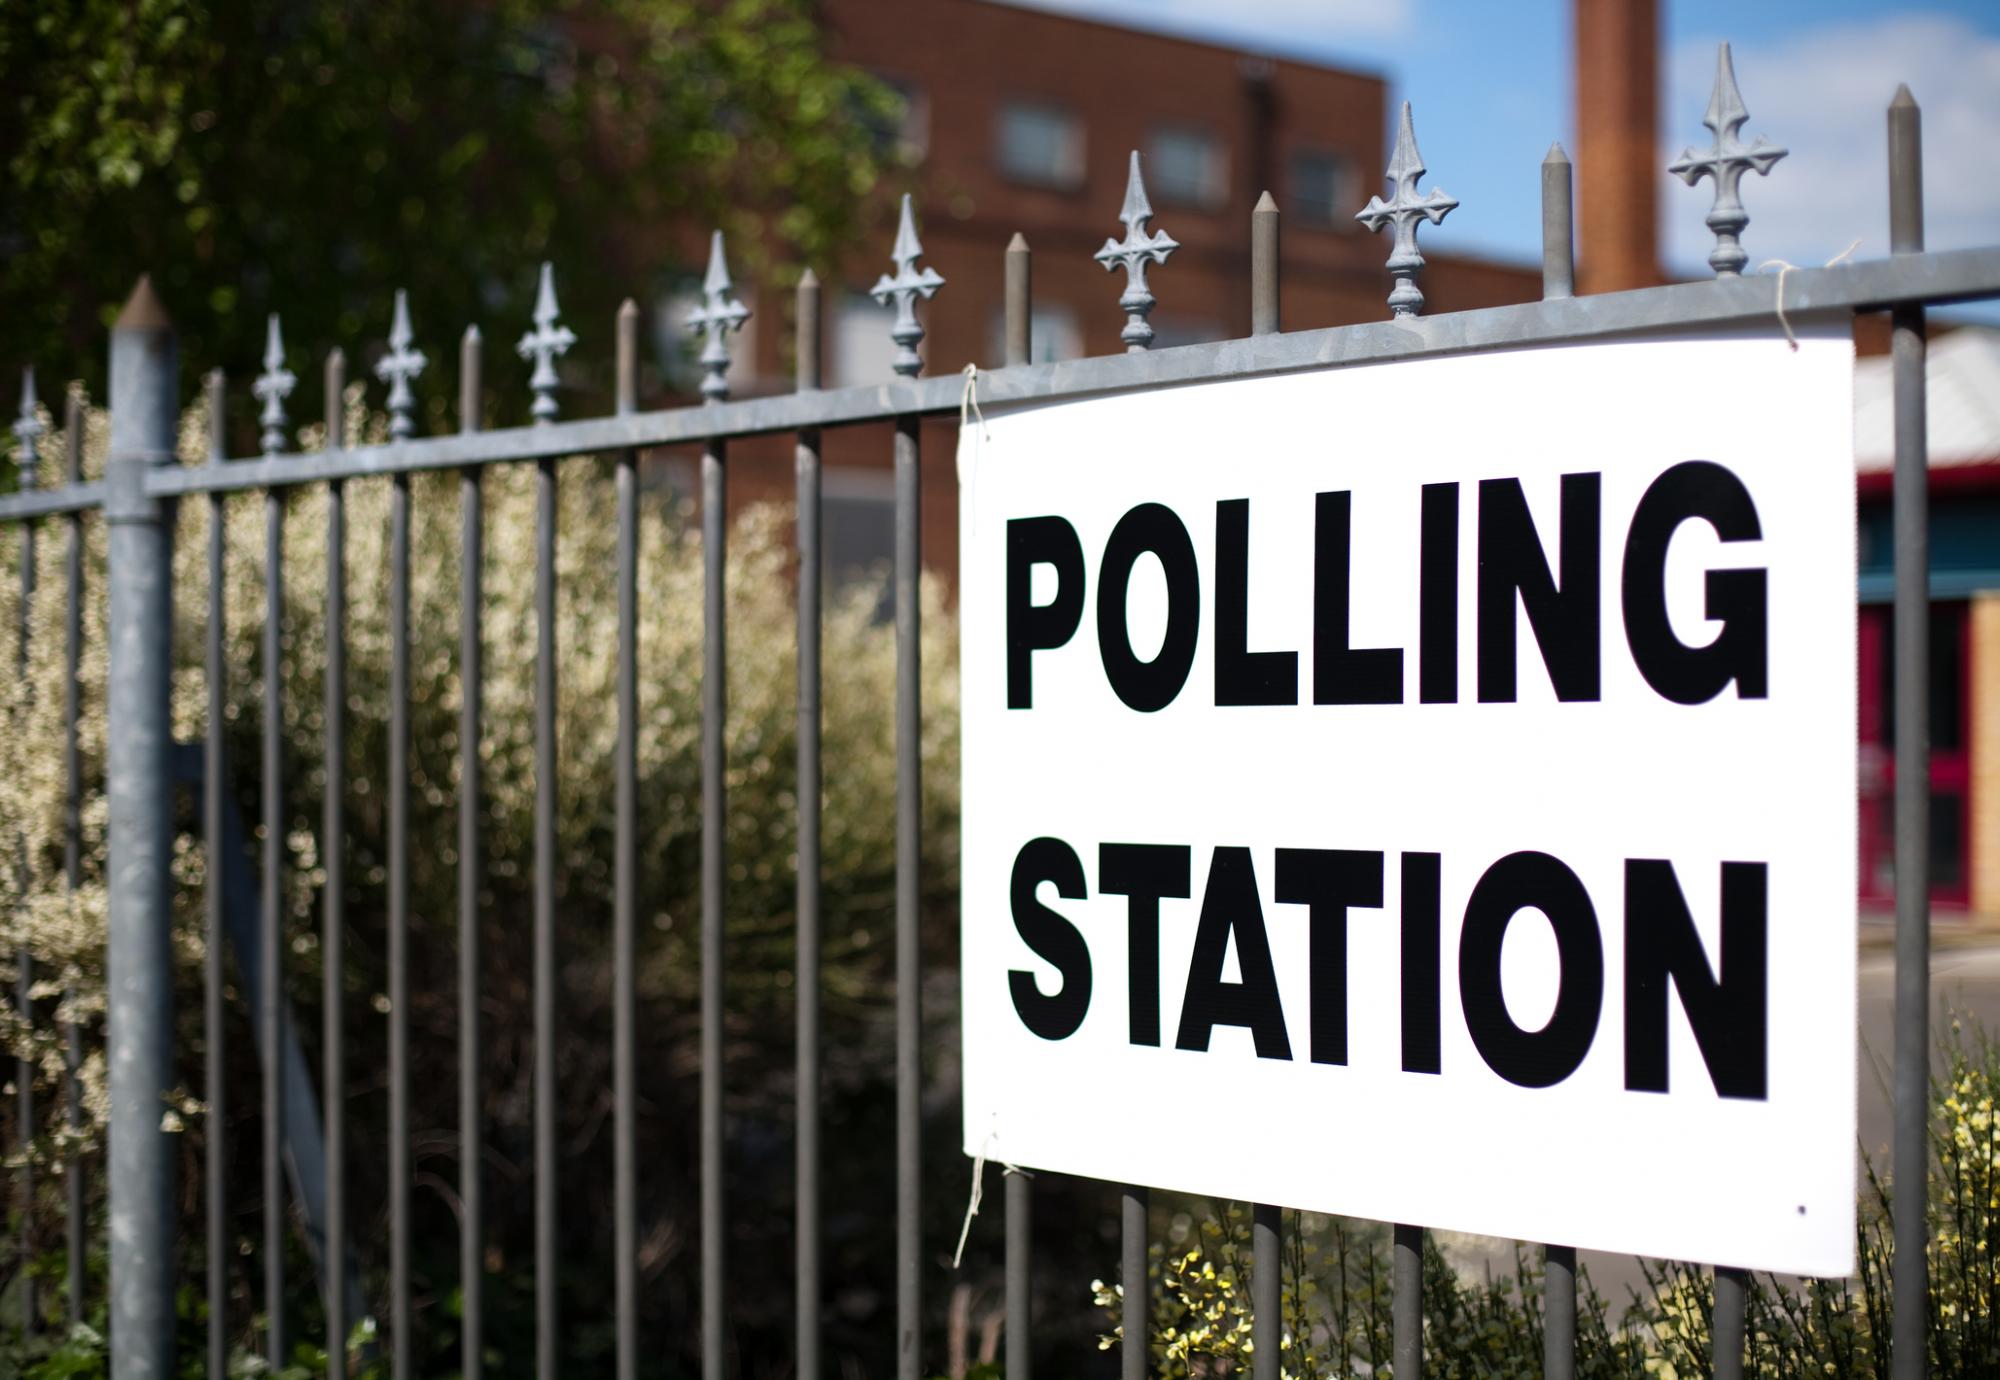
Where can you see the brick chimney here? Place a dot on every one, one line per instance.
(1617, 144)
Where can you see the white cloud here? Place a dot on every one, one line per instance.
(1823, 95)
(1282, 26)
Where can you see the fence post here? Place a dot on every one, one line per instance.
(138, 960)
(1911, 508)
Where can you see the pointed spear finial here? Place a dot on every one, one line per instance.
(1404, 212)
(543, 344)
(1137, 300)
(1726, 163)
(1558, 226)
(718, 315)
(905, 288)
(272, 387)
(399, 367)
(28, 429)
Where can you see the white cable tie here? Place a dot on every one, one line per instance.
(968, 401)
(1784, 266)
(979, 1160)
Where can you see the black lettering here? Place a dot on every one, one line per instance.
(1727, 1010)
(1564, 616)
(1344, 674)
(1437, 596)
(1144, 873)
(1053, 938)
(1531, 1058)
(1243, 676)
(1738, 599)
(1229, 903)
(1422, 966)
(1329, 880)
(1033, 627)
(1148, 685)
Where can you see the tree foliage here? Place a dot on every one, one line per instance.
(311, 156)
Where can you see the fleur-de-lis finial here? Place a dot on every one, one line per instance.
(1405, 212)
(398, 367)
(28, 429)
(272, 387)
(543, 344)
(906, 287)
(1726, 163)
(1139, 246)
(714, 319)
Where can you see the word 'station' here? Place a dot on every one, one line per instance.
(1426, 792)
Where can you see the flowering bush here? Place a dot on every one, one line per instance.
(63, 929)
(1336, 1292)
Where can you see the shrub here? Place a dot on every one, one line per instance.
(64, 931)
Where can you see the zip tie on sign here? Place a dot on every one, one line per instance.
(978, 1167)
(1783, 268)
(968, 401)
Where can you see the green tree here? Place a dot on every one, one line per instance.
(311, 156)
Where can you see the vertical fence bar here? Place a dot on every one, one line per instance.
(73, 837)
(625, 867)
(1558, 280)
(139, 742)
(1731, 1290)
(1267, 1310)
(271, 956)
(1267, 1321)
(909, 953)
(1135, 1312)
(1137, 303)
(1407, 1303)
(1020, 297)
(24, 971)
(1559, 1313)
(402, 1312)
(333, 895)
(807, 463)
(719, 314)
(214, 773)
(1264, 267)
(1558, 234)
(471, 1262)
(545, 921)
(714, 703)
(1913, 735)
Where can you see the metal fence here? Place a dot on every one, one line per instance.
(136, 499)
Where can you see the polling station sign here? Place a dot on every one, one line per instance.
(1426, 792)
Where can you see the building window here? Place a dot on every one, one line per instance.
(903, 133)
(1324, 188)
(1053, 333)
(858, 533)
(1042, 144)
(1186, 166)
(862, 349)
(1171, 329)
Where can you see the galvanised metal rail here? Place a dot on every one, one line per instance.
(142, 482)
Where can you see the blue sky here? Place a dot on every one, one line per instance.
(1491, 86)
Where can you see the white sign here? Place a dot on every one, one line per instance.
(1426, 792)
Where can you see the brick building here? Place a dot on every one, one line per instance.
(1019, 120)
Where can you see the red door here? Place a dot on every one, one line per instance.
(1950, 764)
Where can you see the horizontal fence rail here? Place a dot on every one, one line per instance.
(136, 496)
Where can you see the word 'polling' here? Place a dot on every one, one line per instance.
(1561, 596)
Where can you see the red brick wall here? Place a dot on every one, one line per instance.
(1617, 144)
